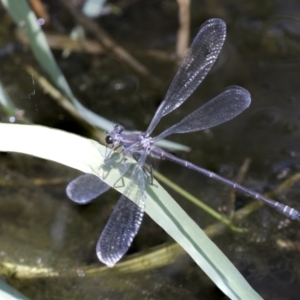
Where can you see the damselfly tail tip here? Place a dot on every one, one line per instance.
(297, 216)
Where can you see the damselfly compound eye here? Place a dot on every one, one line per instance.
(108, 140)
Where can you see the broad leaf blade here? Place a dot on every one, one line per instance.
(85, 155)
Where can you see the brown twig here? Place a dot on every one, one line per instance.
(62, 42)
(183, 33)
(103, 37)
(239, 179)
(63, 102)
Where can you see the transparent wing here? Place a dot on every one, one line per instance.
(124, 221)
(119, 231)
(85, 188)
(220, 109)
(198, 61)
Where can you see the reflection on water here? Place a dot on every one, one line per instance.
(276, 38)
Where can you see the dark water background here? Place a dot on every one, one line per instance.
(39, 225)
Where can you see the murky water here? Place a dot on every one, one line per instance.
(40, 227)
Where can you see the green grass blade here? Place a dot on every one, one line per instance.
(25, 18)
(9, 293)
(6, 103)
(85, 155)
